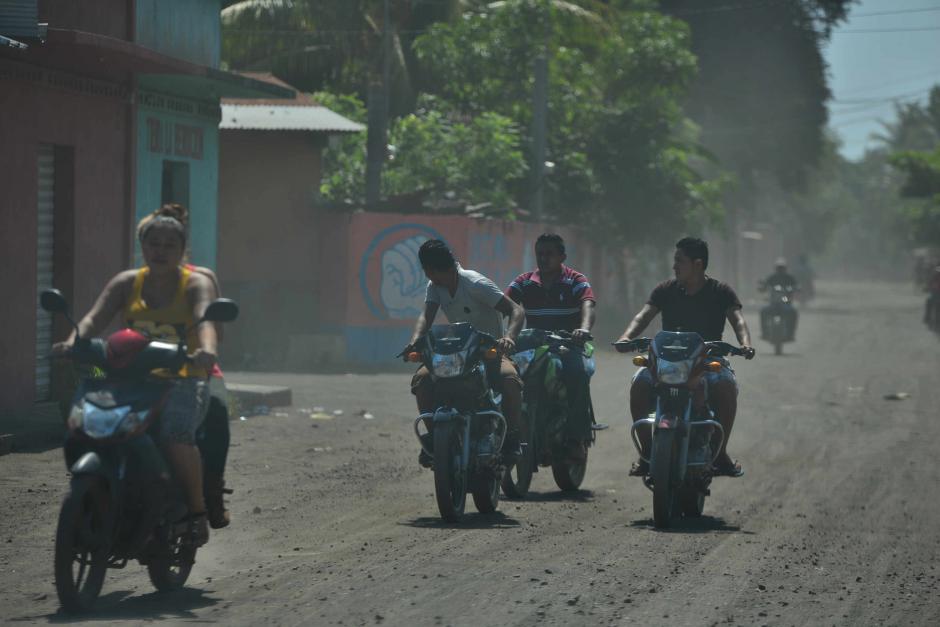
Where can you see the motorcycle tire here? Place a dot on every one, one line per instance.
(569, 474)
(778, 347)
(450, 482)
(518, 477)
(664, 493)
(486, 493)
(82, 539)
(691, 502)
(170, 570)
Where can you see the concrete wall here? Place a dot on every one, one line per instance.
(379, 286)
(96, 127)
(186, 29)
(268, 241)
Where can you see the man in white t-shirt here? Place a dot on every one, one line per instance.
(468, 296)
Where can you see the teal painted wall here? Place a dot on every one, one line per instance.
(186, 29)
(186, 132)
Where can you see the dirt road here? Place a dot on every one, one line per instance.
(834, 523)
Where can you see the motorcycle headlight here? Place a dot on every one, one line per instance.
(523, 359)
(102, 423)
(447, 366)
(673, 372)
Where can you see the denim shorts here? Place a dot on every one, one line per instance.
(725, 374)
(184, 410)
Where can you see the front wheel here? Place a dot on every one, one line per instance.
(450, 480)
(82, 543)
(664, 496)
(568, 473)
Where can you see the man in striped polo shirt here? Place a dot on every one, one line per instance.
(558, 298)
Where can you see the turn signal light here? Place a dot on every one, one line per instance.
(713, 366)
(640, 360)
(414, 357)
(491, 354)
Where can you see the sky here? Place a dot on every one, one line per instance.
(888, 50)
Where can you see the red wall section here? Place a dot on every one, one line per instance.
(96, 127)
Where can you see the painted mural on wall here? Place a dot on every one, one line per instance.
(391, 280)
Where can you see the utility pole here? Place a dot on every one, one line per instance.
(377, 134)
(540, 117)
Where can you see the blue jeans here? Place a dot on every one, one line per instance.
(576, 372)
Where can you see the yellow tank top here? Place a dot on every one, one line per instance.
(165, 324)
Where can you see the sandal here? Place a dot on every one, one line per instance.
(640, 468)
(726, 467)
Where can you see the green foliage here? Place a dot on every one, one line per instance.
(624, 156)
(434, 153)
(344, 161)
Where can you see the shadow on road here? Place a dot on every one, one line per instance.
(121, 606)
(703, 524)
(496, 520)
(557, 496)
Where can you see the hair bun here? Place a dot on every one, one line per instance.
(174, 210)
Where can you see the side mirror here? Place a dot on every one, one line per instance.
(221, 310)
(53, 301)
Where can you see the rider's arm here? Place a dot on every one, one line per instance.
(109, 304)
(588, 315)
(424, 322)
(736, 318)
(216, 293)
(516, 317)
(200, 292)
(639, 322)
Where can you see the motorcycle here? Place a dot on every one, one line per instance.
(468, 424)
(686, 437)
(121, 505)
(778, 317)
(545, 409)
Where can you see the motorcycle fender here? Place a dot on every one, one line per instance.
(668, 421)
(91, 464)
(445, 415)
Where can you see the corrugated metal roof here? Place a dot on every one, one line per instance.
(285, 118)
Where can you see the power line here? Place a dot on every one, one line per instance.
(898, 12)
(885, 30)
(909, 79)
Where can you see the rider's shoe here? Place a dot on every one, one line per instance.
(424, 458)
(214, 488)
(640, 468)
(512, 447)
(726, 467)
(198, 528)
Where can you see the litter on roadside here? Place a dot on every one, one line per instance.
(896, 396)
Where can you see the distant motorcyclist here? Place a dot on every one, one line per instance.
(931, 313)
(788, 283)
(468, 296)
(559, 298)
(693, 301)
(806, 278)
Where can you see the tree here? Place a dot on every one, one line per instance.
(624, 156)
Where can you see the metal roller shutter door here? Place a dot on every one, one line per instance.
(44, 246)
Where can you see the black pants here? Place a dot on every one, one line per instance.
(213, 437)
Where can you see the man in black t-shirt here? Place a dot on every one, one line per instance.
(695, 302)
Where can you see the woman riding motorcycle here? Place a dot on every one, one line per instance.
(163, 300)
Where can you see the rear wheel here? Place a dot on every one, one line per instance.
(568, 473)
(169, 571)
(82, 543)
(450, 481)
(692, 502)
(664, 495)
(518, 477)
(486, 492)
